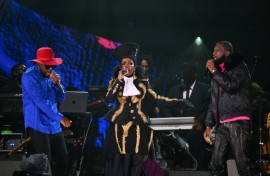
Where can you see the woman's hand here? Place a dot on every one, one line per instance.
(121, 74)
(185, 104)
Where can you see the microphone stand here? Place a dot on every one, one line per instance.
(260, 144)
(83, 144)
(260, 105)
(254, 67)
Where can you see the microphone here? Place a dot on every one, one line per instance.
(60, 86)
(124, 71)
(206, 70)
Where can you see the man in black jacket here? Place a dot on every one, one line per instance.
(229, 109)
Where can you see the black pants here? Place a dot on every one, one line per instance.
(124, 165)
(54, 146)
(234, 136)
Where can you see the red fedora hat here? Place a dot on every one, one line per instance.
(45, 55)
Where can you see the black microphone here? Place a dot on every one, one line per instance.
(124, 71)
(206, 70)
(60, 86)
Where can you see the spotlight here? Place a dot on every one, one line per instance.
(198, 41)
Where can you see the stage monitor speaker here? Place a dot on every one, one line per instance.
(11, 164)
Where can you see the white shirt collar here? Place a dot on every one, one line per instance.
(129, 88)
(192, 86)
(190, 90)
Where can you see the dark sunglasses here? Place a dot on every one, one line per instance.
(47, 67)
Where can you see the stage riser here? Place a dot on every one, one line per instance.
(231, 168)
(189, 173)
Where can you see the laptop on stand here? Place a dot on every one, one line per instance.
(74, 103)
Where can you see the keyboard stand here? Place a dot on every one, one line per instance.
(77, 162)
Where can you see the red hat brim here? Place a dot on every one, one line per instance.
(54, 62)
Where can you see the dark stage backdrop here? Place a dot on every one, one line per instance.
(87, 58)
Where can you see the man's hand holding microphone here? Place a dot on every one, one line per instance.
(210, 65)
(56, 79)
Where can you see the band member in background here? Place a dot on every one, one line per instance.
(12, 88)
(129, 136)
(198, 94)
(41, 88)
(14, 85)
(229, 109)
(145, 62)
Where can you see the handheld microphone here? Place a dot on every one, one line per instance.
(124, 71)
(60, 86)
(206, 70)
